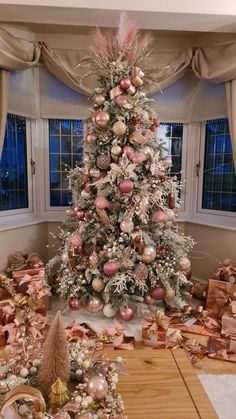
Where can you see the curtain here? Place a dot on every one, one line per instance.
(231, 102)
(4, 84)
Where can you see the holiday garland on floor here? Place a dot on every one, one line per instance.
(120, 245)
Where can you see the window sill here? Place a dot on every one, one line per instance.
(18, 221)
(209, 221)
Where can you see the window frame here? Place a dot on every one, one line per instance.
(7, 214)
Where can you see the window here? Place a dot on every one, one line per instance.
(172, 136)
(219, 178)
(65, 151)
(13, 166)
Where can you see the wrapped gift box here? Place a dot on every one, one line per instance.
(228, 322)
(220, 348)
(226, 271)
(219, 296)
(154, 328)
(18, 275)
(199, 290)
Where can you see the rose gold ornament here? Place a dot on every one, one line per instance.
(76, 241)
(157, 293)
(127, 226)
(128, 151)
(131, 90)
(185, 264)
(97, 387)
(159, 216)
(119, 128)
(103, 161)
(101, 119)
(110, 269)
(74, 303)
(127, 314)
(137, 157)
(121, 100)
(80, 214)
(99, 99)
(125, 83)
(169, 294)
(137, 81)
(91, 137)
(101, 202)
(141, 271)
(116, 150)
(149, 300)
(94, 172)
(149, 254)
(126, 186)
(98, 284)
(94, 304)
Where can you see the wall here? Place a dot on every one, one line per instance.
(213, 246)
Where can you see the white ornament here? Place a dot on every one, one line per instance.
(24, 372)
(109, 311)
(78, 399)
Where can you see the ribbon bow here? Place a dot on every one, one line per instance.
(159, 319)
(18, 261)
(115, 335)
(224, 296)
(225, 270)
(75, 332)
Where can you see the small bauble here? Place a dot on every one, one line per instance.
(149, 254)
(65, 257)
(116, 150)
(94, 304)
(110, 269)
(119, 128)
(121, 100)
(128, 151)
(127, 226)
(74, 304)
(127, 314)
(149, 300)
(93, 260)
(109, 311)
(91, 137)
(3, 387)
(157, 293)
(24, 372)
(98, 284)
(126, 186)
(99, 99)
(97, 387)
(169, 294)
(80, 214)
(185, 264)
(103, 161)
(101, 202)
(125, 83)
(86, 157)
(159, 217)
(101, 119)
(137, 157)
(141, 271)
(95, 172)
(76, 241)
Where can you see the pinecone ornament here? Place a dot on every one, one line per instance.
(103, 161)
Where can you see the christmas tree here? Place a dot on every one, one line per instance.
(121, 249)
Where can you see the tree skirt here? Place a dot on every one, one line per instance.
(221, 390)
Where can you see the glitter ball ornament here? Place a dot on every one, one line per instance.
(76, 241)
(110, 269)
(80, 214)
(121, 100)
(101, 202)
(127, 314)
(109, 311)
(169, 294)
(91, 137)
(101, 119)
(98, 284)
(97, 387)
(126, 186)
(141, 271)
(94, 304)
(185, 264)
(125, 83)
(99, 99)
(159, 216)
(116, 150)
(149, 254)
(74, 303)
(127, 226)
(149, 300)
(103, 161)
(157, 293)
(65, 257)
(94, 172)
(119, 128)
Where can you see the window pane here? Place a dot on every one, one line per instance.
(172, 136)
(219, 178)
(65, 151)
(13, 166)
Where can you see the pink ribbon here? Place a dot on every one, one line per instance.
(117, 335)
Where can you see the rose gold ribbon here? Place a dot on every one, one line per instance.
(76, 332)
(116, 91)
(116, 334)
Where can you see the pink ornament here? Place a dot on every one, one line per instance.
(137, 157)
(127, 226)
(126, 186)
(86, 157)
(185, 264)
(121, 100)
(128, 151)
(101, 202)
(127, 314)
(74, 304)
(110, 269)
(159, 217)
(80, 214)
(101, 119)
(157, 293)
(97, 387)
(125, 83)
(91, 137)
(76, 241)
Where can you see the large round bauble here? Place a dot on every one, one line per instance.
(149, 300)
(97, 387)
(91, 137)
(94, 304)
(98, 284)
(103, 161)
(101, 202)
(74, 303)
(185, 264)
(127, 226)
(159, 216)
(149, 254)
(119, 128)
(99, 99)
(128, 151)
(127, 314)
(125, 83)
(110, 269)
(126, 186)
(169, 294)
(141, 271)
(76, 241)
(109, 311)
(116, 150)
(80, 214)
(158, 293)
(121, 100)
(101, 119)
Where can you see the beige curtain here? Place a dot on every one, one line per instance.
(4, 83)
(231, 104)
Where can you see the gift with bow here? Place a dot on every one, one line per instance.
(20, 261)
(76, 331)
(226, 271)
(219, 296)
(154, 327)
(114, 338)
(219, 348)
(200, 323)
